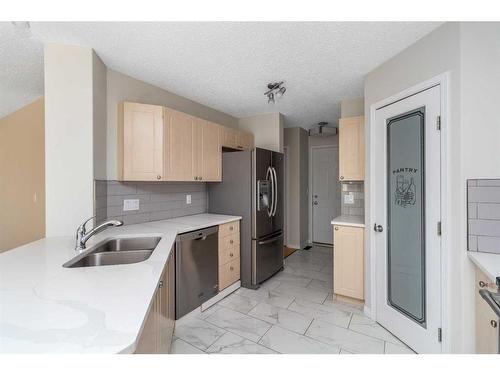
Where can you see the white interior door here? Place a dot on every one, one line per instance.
(407, 208)
(325, 192)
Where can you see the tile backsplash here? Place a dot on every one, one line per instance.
(357, 189)
(483, 215)
(157, 200)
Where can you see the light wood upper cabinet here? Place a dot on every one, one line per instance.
(245, 140)
(352, 148)
(487, 340)
(140, 142)
(348, 261)
(179, 146)
(211, 154)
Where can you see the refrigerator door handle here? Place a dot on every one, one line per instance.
(270, 175)
(274, 239)
(275, 191)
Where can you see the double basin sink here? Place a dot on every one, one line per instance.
(116, 251)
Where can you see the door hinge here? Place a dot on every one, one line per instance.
(440, 334)
(439, 228)
(438, 123)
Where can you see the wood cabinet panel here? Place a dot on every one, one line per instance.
(229, 248)
(229, 228)
(179, 144)
(487, 339)
(229, 273)
(211, 154)
(348, 261)
(140, 142)
(245, 140)
(352, 149)
(228, 137)
(156, 335)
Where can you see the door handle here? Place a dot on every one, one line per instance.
(275, 199)
(315, 203)
(269, 174)
(378, 228)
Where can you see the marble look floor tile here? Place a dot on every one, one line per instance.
(330, 301)
(344, 338)
(343, 351)
(391, 348)
(366, 326)
(295, 265)
(316, 275)
(230, 343)
(323, 249)
(308, 294)
(292, 279)
(206, 313)
(198, 332)
(328, 268)
(284, 318)
(323, 285)
(328, 314)
(240, 324)
(284, 341)
(180, 346)
(238, 303)
(271, 297)
(270, 284)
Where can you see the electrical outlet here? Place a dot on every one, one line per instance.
(349, 198)
(130, 204)
(188, 198)
(344, 187)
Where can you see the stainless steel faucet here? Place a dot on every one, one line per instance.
(81, 232)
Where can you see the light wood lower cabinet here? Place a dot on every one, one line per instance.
(348, 261)
(487, 339)
(229, 254)
(156, 336)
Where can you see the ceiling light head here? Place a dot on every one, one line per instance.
(274, 89)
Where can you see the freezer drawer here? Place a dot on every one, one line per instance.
(267, 257)
(196, 269)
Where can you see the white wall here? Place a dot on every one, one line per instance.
(69, 155)
(352, 107)
(267, 129)
(470, 53)
(121, 87)
(99, 72)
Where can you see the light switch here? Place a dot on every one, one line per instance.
(188, 198)
(349, 198)
(130, 204)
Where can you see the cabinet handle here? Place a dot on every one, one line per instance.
(336, 228)
(231, 268)
(230, 228)
(200, 178)
(341, 177)
(231, 242)
(482, 284)
(494, 323)
(196, 178)
(160, 284)
(231, 254)
(158, 177)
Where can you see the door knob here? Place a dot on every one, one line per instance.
(158, 177)
(494, 323)
(378, 228)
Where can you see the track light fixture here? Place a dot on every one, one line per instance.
(274, 90)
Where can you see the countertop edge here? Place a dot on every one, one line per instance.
(492, 271)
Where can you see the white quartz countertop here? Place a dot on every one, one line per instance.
(46, 308)
(487, 262)
(349, 220)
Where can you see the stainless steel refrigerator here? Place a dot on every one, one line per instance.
(252, 187)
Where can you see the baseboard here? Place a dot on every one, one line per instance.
(368, 312)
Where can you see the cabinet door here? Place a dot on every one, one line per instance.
(352, 149)
(198, 131)
(211, 152)
(245, 140)
(348, 261)
(228, 137)
(179, 146)
(140, 142)
(487, 339)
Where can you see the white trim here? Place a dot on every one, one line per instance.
(309, 195)
(286, 161)
(367, 311)
(443, 80)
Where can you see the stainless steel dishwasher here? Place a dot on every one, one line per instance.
(196, 269)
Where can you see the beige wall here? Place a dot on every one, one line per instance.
(267, 129)
(352, 107)
(69, 136)
(437, 53)
(296, 142)
(121, 87)
(22, 181)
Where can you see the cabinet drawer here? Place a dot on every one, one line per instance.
(229, 228)
(229, 273)
(229, 248)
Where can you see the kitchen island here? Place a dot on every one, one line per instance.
(46, 308)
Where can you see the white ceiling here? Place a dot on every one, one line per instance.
(226, 65)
